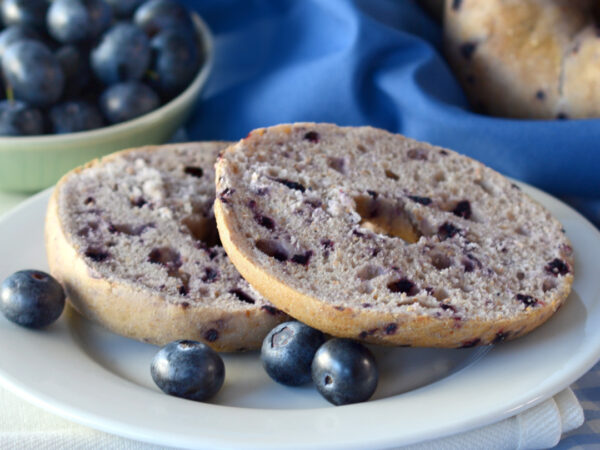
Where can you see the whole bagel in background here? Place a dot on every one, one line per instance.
(537, 59)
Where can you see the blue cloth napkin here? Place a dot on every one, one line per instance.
(379, 63)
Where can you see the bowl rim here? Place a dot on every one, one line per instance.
(206, 38)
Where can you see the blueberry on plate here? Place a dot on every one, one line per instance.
(33, 73)
(155, 16)
(344, 372)
(31, 13)
(13, 34)
(125, 101)
(188, 369)
(288, 350)
(123, 54)
(31, 298)
(176, 59)
(71, 21)
(18, 119)
(124, 8)
(74, 116)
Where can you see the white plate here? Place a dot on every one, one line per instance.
(90, 376)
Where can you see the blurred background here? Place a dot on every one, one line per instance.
(355, 62)
(379, 63)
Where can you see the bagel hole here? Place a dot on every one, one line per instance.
(129, 229)
(441, 261)
(242, 296)
(167, 257)
(441, 294)
(274, 249)
(460, 208)
(522, 231)
(417, 153)
(439, 177)
(337, 164)
(391, 175)
(273, 172)
(403, 286)
(203, 229)
(386, 217)
(369, 272)
(184, 277)
(365, 288)
(548, 284)
(194, 171)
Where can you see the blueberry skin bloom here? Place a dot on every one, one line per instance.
(18, 119)
(73, 116)
(126, 101)
(155, 16)
(344, 372)
(288, 350)
(33, 72)
(31, 13)
(123, 54)
(175, 62)
(31, 298)
(188, 369)
(71, 21)
(14, 34)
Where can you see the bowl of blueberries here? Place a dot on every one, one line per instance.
(83, 78)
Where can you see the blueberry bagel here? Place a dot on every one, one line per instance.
(133, 240)
(373, 236)
(526, 58)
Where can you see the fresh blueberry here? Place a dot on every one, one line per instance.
(73, 116)
(344, 372)
(18, 119)
(13, 34)
(124, 8)
(75, 65)
(125, 101)
(31, 298)
(33, 73)
(31, 13)
(155, 16)
(288, 350)
(175, 61)
(188, 369)
(123, 54)
(71, 21)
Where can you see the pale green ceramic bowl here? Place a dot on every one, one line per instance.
(28, 164)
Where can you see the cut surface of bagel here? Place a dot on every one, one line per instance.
(373, 236)
(132, 238)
